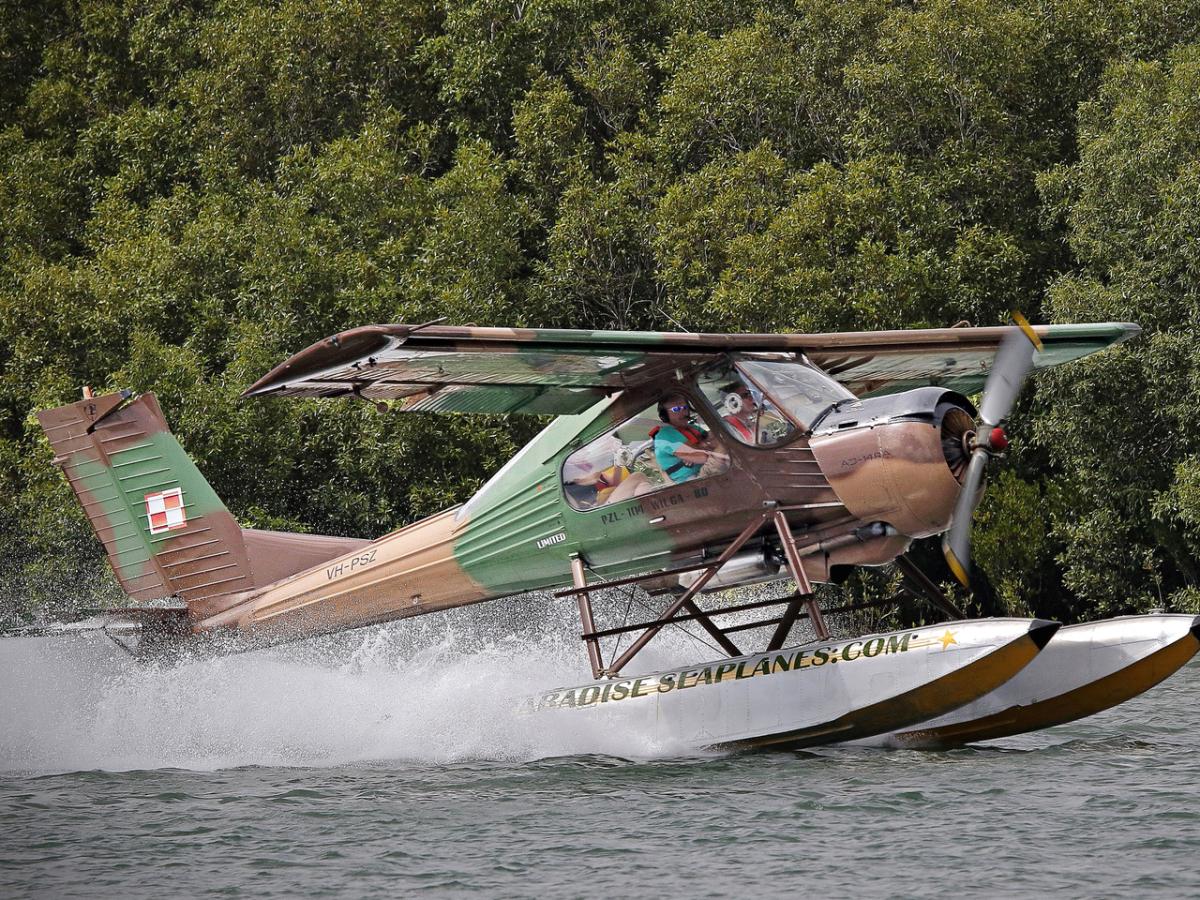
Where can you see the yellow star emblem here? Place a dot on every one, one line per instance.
(947, 639)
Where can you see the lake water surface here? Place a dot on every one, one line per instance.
(372, 766)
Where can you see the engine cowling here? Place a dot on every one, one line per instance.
(898, 459)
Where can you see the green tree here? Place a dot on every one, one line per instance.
(191, 192)
(1120, 427)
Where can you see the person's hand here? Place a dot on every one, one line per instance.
(693, 456)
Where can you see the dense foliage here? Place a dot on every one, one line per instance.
(190, 191)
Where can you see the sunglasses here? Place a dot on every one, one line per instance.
(684, 408)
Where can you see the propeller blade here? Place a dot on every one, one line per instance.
(1013, 362)
(956, 543)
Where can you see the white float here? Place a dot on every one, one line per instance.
(1085, 669)
(814, 694)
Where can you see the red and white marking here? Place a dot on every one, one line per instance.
(165, 511)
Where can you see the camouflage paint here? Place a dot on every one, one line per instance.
(555, 371)
(114, 454)
(518, 533)
(409, 572)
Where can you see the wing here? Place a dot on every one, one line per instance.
(552, 372)
(886, 362)
(496, 370)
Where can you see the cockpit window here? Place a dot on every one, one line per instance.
(749, 415)
(660, 447)
(801, 390)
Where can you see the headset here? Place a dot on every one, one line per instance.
(663, 405)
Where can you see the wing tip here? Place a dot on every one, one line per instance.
(325, 353)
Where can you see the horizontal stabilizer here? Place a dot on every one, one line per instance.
(142, 632)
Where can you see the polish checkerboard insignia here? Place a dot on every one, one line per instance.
(165, 511)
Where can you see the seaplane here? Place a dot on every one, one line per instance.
(679, 464)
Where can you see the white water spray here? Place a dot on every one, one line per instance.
(425, 691)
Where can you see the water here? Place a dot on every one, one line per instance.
(384, 763)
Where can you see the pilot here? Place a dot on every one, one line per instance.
(742, 410)
(683, 450)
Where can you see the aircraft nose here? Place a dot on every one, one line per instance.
(887, 464)
(1042, 630)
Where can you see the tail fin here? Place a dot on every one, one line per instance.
(165, 530)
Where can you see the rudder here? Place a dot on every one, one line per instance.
(164, 528)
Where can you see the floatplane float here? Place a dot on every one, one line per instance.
(679, 464)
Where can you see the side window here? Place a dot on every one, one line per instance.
(643, 454)
(748, 414)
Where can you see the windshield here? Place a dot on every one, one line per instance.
(746, 413)
(801, 390)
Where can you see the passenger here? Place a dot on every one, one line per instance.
(742, 412)
(588, 482)
(683, 450)
(608, 482)
(631, 484)
(585, 475)
(582, 495)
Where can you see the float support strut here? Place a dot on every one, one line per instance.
(585, 615)
(707, 624)
(804, 591)
(922, 581)
(685, 598)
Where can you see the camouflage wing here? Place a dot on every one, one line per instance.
(554, 372)
(887, 362)
(494, 370)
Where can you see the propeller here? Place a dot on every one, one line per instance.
(1012, 364)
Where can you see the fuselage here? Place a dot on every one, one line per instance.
(857, 484)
